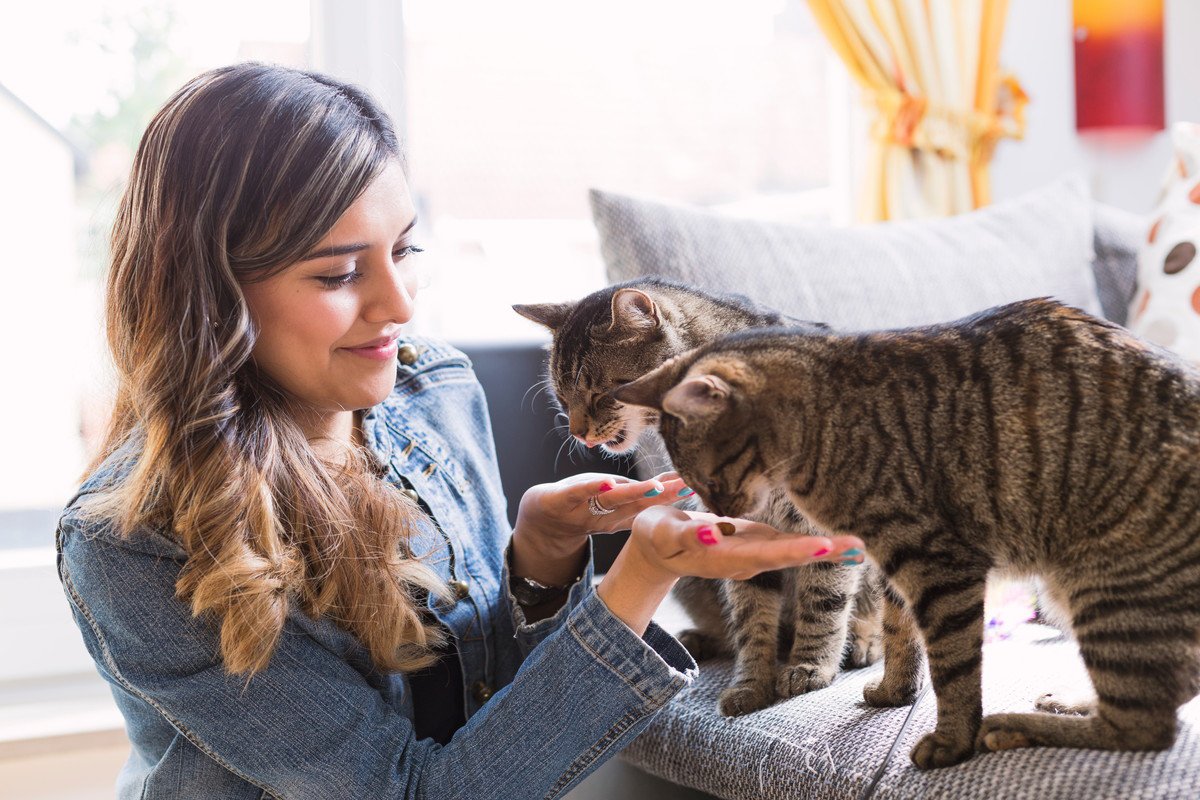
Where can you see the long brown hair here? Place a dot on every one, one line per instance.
(238, 175)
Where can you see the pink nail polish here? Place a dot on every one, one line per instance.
(604, 487)
(821, 552)
(706, 535)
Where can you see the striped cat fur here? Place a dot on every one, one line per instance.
(1032, 438)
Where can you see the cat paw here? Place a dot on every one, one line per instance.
(798, 679)
(879, 694)
(1061, 704)
(939, 749)
(1001, 732)
(745, 698)
(863, 652)
(701, 646)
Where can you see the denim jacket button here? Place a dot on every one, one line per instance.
(481, 691)
(408, 354)
(461, 589)
(411, 494)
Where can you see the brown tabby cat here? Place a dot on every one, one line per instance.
(1032, 438)
(622, 332)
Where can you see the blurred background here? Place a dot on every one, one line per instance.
(510, 112)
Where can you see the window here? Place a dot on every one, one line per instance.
(79, 81)
(512, 111)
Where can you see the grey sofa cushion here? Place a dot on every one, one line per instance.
(873, 276)
(828, 745)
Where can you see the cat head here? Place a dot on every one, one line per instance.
(607, 339)
(712, 421)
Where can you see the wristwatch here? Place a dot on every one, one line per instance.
(529, 593)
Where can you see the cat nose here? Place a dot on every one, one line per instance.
(588, 440)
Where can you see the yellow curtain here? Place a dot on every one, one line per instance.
(930, 70)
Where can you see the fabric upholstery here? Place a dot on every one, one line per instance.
(872, 276)
(829, 745)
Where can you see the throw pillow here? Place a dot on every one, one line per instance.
(1166, 309)
(873, 276)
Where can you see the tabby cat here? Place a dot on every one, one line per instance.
(620, 333)
(1031, 438)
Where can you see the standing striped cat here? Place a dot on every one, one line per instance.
(620, 333)
(1031, 438)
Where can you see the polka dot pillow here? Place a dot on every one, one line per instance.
(1166, 307)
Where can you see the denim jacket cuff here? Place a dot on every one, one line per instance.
(656, 665)
(531, 634)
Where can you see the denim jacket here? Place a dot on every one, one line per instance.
(546, 702)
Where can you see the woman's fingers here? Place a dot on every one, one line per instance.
(734, 548)
(627, 497)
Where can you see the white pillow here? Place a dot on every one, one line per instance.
(1166, 308)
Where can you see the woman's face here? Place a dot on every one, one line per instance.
(328, 323)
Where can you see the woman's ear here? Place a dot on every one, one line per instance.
(551, 315)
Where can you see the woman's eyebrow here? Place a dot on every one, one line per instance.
(346, 249)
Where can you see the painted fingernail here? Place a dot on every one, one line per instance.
(655, 492)
(823, 551)
(850, 562)
(685, 492)
(706, 535)
(853, 551)
(604, 487)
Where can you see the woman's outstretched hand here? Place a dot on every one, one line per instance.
(667, 544)
(694, 543)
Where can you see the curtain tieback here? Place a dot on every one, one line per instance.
(911, 121)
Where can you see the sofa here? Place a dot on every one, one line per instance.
(828, 744)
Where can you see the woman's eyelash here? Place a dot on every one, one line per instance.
(347, 278)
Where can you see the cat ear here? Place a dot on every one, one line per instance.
(551, 315)
(698, 397)
(649, 389)
(633, 312)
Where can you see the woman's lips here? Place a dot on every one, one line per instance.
(381, 352)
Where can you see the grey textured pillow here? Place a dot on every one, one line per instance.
(871, 276)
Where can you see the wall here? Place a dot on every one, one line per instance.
(1038, 48)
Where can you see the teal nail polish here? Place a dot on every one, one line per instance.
(685, 491)
(850, 562)
(654, 493)
(853, 551)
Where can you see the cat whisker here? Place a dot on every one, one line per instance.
(537, 389)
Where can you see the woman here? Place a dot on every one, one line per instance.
(291, 559)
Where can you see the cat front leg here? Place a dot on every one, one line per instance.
(865, 641)
(753, 607)
(822, 595)
(702, 599)
(947, 604)
(902, 655)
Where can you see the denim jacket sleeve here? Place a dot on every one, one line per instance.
(530, 634)
(311, 725)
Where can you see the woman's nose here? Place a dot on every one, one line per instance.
(394, 294)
